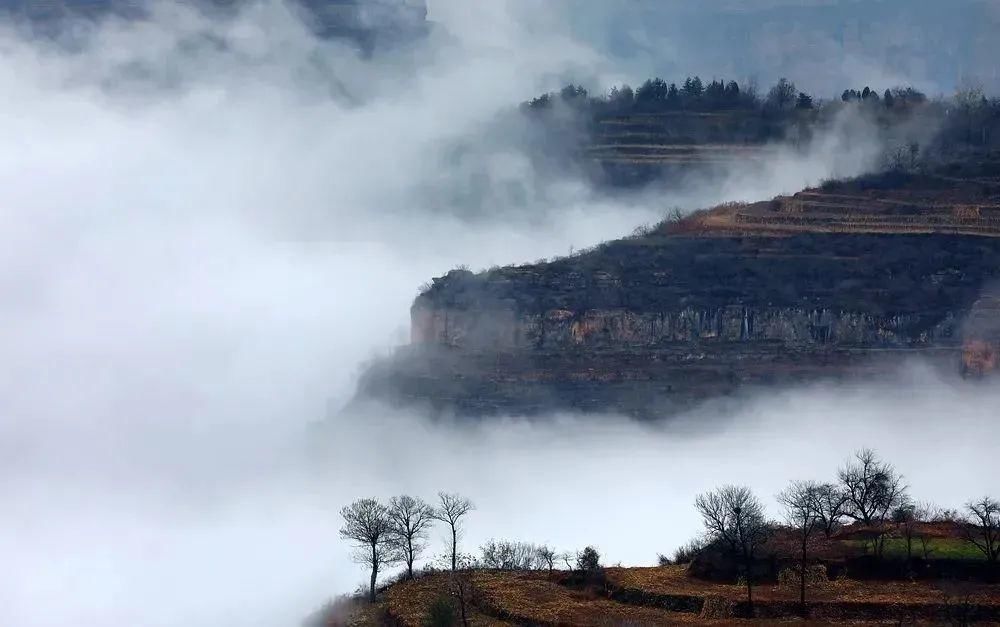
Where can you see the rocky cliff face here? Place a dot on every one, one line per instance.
(650, 324)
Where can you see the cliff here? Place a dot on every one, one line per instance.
(837, 282)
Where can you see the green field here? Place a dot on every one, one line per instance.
(939, 548)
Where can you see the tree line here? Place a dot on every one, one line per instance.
(868, 493)
(397, 532)
(693, 94)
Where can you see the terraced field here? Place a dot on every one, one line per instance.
(669, 596)
(921, 205)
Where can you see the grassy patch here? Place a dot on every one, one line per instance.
(939, 548)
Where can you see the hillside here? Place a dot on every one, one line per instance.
(846, 280)
(668, 595)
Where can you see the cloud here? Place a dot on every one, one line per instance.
(207, 227)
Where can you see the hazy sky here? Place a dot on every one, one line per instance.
(201, 245)
(825, 46)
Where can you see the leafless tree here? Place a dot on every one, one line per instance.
(366, 523)
(925, 512)
(547, 557)
(409, 519)
(509, 555)
(451, 511)
(567, 559)
(829, 506)
(735, 517)
(908, 518)
(463, 589)
(799, 502)
(982, 527)
(873, 489)
(782, 95)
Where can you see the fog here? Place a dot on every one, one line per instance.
(201, 244)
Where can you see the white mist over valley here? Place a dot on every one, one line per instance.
(202, 245)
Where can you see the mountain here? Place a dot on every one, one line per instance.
(846, 280)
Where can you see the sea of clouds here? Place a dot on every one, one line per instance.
(207, 228)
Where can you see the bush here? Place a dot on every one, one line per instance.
(509, 555)
(716, 607)
(815, 576)
(441, 613)
(686, 554)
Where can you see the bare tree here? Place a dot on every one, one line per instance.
(908, 518)
(782, 95)
(799, 502)
(509, 555)
(982, 527)
(567, 559)
(366, 523)
(829, 506)
(451, 511)
(463, 590)
(873, 489)
(547, 557)
(409, 519)
(735, 517)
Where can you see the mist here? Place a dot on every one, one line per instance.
(209, 227)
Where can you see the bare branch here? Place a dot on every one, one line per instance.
(982, 527)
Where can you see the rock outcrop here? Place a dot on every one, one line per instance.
(891, 267)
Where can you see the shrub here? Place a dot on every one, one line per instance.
(716, 607)
(510, 555)
(686, 554)
(815, 576)
(441, 613)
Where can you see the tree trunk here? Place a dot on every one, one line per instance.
(371, 592)
(802, 577)
(454, 548)
(465, 616)
(409, 558)
(749, 577)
